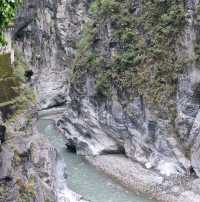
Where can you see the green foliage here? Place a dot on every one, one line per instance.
(144, 61)
(9, 86)
(7, 14)
(104, 7)
(13, 91)
(87, 38)
(103, 84)
(26, 95)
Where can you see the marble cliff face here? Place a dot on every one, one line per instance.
(126, 77)
(47, 32)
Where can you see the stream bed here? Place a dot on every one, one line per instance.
(82, 177)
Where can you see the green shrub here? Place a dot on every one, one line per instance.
(105, 7)
(9, 85)
(7, 13)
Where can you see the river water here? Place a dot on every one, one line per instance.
(82, 177)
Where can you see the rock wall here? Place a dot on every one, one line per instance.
(158, 138)
(27, 163)
(41, 33)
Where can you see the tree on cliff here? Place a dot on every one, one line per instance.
(7, 13)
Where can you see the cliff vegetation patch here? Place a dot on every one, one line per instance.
(132, 47)
(7, 13)
(15, 94)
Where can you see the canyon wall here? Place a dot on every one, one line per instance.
(127, 87)
(124, 73)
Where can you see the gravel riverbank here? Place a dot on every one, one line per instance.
(136, 178)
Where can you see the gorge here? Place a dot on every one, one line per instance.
(119, 80)
(81, 177)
